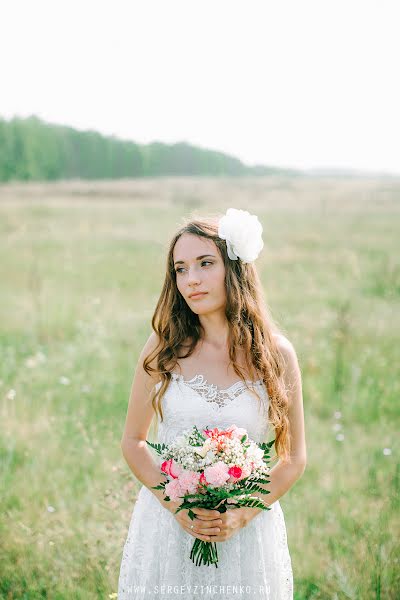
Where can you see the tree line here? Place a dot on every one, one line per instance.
(33, 150)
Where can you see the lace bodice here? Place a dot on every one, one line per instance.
(198, 402)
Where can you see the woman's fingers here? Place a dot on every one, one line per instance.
(209, 530)
(212, 522)
(208, 523)
(200, 523)
(205, 527)
(205, 514)
(205, 538)
(202, 528)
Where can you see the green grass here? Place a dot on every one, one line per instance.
(81, 269)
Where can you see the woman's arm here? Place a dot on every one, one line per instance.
(283, 475)
(138, 421)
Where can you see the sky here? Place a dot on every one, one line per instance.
(303, 84)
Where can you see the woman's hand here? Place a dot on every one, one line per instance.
(233, 520)
(211, 525)
(206, 524)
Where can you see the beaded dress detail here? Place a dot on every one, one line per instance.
(255, 562)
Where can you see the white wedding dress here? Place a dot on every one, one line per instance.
(255, 562)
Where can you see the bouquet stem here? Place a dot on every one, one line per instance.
(204, 553)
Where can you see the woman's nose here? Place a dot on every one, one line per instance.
(193, 276)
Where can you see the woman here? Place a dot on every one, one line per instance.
(211, 327)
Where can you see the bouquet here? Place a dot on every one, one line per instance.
(214, 469)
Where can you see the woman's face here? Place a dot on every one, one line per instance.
(199, 267)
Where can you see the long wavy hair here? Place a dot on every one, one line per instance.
(251, 328)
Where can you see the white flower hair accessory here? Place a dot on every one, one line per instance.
(242, 233)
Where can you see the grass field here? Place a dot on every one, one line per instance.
(81, 268)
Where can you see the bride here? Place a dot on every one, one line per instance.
(215, 358)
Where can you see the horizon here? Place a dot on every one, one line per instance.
(325, 169)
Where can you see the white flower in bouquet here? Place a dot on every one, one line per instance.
(202, 450)
(254, 453)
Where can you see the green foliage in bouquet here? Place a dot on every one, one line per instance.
(159, 448)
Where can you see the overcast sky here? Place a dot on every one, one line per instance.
(307, 83)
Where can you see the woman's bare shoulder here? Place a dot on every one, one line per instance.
(152, 342)
(282, 342)
(149, 354)
(289, 354)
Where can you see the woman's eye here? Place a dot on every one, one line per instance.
(179, 269)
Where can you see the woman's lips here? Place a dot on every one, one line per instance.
(197, 296)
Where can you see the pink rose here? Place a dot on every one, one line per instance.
(235, 472)
(203, 480)
(165, 467)
(170, 467)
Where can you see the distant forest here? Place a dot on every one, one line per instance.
(33, 150)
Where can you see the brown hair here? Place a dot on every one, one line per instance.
(251, 327)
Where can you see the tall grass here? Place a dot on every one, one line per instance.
(81, 269)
